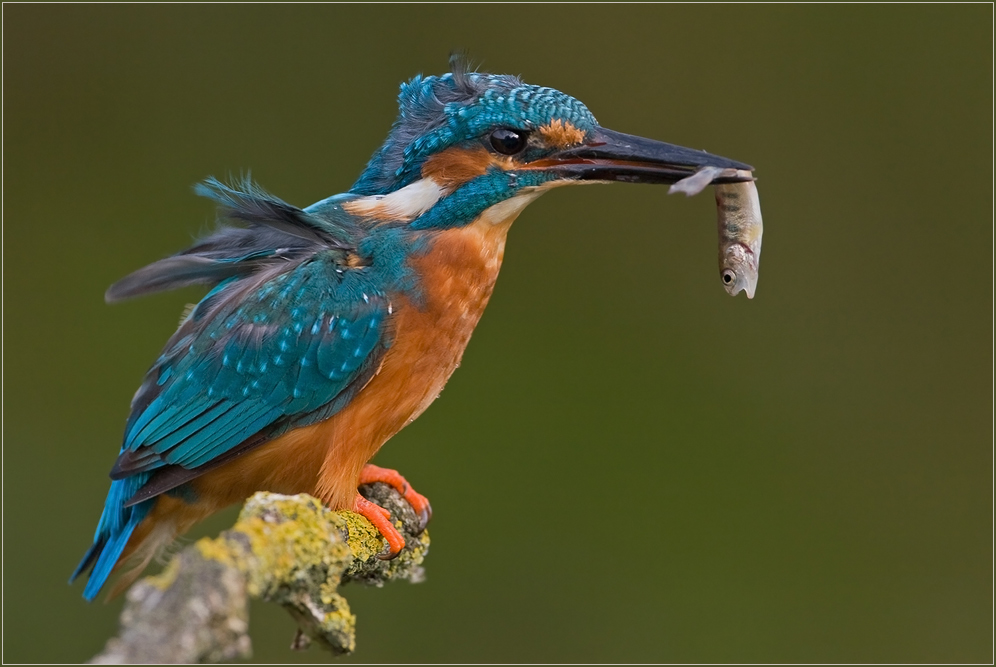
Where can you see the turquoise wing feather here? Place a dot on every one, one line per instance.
(284, 349)
(286, 337)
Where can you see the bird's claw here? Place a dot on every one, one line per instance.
(381, 520)
(387, 554)
(423, 518)
(418, 502)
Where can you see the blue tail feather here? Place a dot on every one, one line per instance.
(88, 558)
(117, 523)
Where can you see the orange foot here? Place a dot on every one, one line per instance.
(380, 517)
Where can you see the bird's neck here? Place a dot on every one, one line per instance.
(471, 254)
(463, 259)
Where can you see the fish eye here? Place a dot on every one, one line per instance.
(507, 141)
(729, 276)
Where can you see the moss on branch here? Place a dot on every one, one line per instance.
(290, 550)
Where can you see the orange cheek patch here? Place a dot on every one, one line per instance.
(561, 134)
(453, 167)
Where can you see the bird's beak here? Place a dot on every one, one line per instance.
(613, 156)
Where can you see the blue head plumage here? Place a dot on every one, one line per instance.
(438, 112)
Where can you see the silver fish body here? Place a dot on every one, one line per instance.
(738, 213)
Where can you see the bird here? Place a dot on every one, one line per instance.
(327, 329)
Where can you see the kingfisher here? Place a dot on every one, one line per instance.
(327, 329)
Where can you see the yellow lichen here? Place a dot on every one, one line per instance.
(217, 549)
(327, 593)
(293, 538)
(165, 579)
(364, 540)
(341, 620)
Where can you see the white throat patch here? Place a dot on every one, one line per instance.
(509, 210)
(413, 200)
(404, 205)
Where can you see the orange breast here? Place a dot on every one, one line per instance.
(457, 274)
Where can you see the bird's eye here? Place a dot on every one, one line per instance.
(729, 277)
(508, 142)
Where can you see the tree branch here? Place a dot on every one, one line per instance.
(285, 549)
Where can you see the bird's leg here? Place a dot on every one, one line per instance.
(381, 520)
(419, 503)
(380, 517)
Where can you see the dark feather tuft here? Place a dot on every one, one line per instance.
(275, 232)
(460, 66)
(171, 273)
(249, 203)
(229, 252)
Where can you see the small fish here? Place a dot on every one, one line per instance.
(696, 183)
(739, 223)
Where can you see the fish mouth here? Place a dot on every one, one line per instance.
(745, 285)
(738, 269)
(607, 155)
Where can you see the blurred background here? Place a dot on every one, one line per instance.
(629, 465)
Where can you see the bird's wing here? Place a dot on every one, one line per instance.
(276, 231)
(256, 357)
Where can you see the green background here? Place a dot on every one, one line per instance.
(629, 465)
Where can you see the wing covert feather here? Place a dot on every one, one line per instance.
(267, 356)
